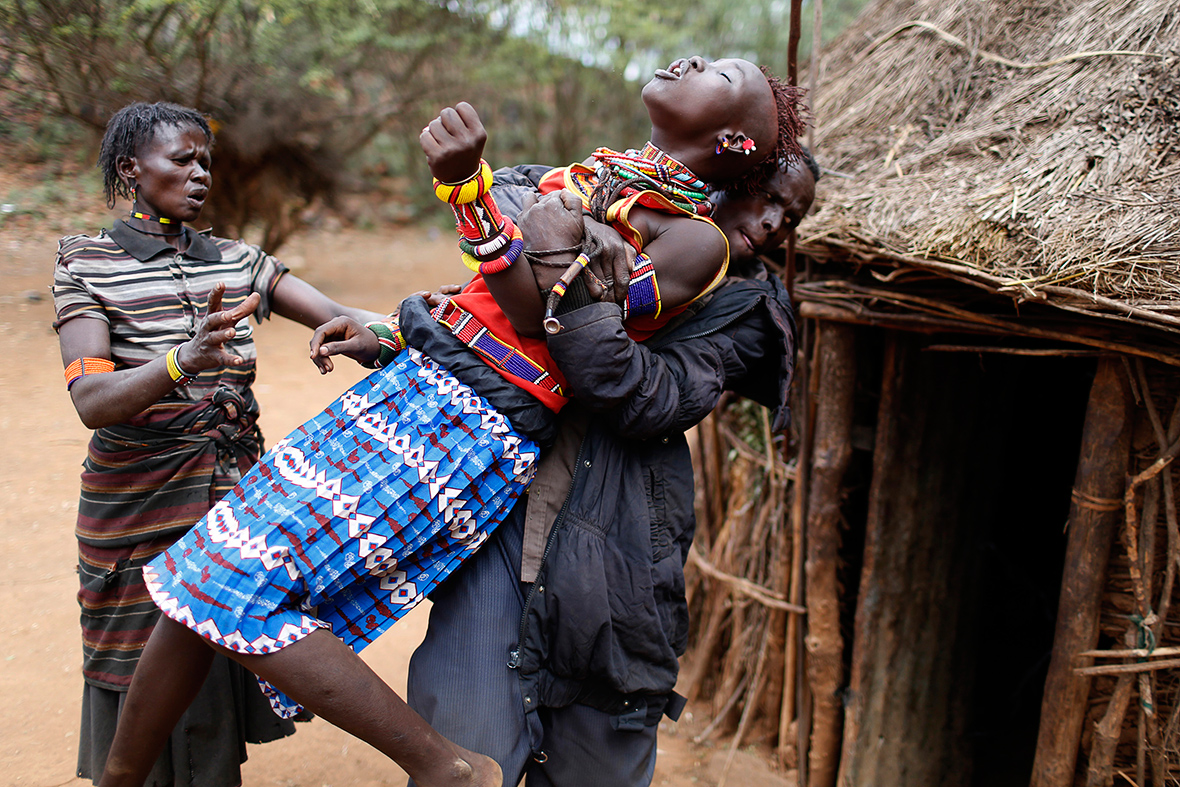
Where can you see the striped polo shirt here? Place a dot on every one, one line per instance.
(152, 297)
(145, 482)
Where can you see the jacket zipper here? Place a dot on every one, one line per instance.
(514, 655)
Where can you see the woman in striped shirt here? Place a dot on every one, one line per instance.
(153, 325)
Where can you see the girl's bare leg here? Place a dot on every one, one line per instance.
(320, 672)
(173, 668)
(323, 675)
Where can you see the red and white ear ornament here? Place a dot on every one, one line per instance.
(735, 143)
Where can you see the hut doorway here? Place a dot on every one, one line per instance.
(973, 463)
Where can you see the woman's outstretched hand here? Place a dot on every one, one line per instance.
(206, 350)
(343, 336)
(346, 336)
(453, 143)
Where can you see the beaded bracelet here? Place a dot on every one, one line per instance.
(389, 337)
(84, 366)
(502, 264)
(492, 248)
(178, 375)
(643, 293)
(497, 264)
(467, 190)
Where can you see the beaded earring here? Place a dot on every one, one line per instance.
(147, 216)
(739, 144)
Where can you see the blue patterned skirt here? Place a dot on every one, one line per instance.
(349, 521)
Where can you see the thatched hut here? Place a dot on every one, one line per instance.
(979, 513)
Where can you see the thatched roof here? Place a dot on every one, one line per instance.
(1022, 145)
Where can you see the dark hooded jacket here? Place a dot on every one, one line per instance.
(607, 618)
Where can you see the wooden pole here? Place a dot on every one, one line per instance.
(864, 633)
(803, 726)
(780, 580)
(1106, 735)
(793, 36)
(1100, 479)
(792, 674)
(908, 695)
(790, 273)
(805, 412)
(817, 28)
(836, 359)
(796, 28)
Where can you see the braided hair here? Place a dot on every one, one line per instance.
(130, 129)
(792, 122)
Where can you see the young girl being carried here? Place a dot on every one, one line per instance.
(355, 516)
(652, 197)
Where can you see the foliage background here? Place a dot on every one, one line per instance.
(314, 98)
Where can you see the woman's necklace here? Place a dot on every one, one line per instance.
(159, 220)
(652, 167)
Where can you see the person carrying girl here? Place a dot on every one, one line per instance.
(163, 375)
(543, 650)
(360, 512)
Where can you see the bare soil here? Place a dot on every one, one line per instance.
(43, 445)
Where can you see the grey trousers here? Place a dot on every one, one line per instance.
(461, 684)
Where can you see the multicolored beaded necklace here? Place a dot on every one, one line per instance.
(635, 171)
(148, 217)
(135, 214)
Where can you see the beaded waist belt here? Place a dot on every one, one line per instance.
(468, 329)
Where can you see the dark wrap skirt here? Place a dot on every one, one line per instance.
(144, 484)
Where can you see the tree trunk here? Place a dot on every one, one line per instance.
(831, 454)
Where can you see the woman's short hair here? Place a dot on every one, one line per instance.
(130, 129)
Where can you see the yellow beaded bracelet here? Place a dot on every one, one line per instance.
(468, 190)
(177, 374)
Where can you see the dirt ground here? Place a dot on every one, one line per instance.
(43, 445)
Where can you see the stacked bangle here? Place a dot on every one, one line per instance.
(467, 190)
(178, 375)
(85, 366)
(389, 337)
(490, 243)
(492, 248)
(509, 240)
